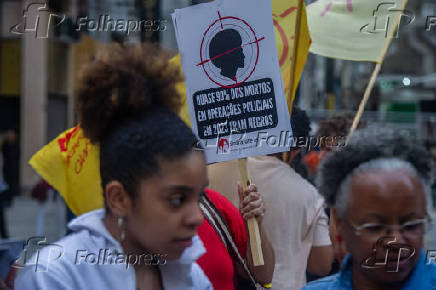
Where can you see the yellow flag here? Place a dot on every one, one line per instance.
(291, 30)
(70, 163)
(354, 29)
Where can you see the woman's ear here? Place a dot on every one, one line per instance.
(117, 199)
(337, 235)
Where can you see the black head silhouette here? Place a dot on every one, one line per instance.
(226, 52)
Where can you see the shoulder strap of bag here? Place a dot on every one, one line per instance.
(214, 217)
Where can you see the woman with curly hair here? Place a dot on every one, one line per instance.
(378, 187)
(152, 179)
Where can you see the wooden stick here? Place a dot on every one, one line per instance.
(374, 75)
(364, 100)
(253, 226)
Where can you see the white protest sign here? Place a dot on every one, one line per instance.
(234, 88)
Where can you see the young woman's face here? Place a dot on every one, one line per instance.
(391, 198)
(166, 214)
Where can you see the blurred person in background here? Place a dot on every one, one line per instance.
(9, 184)
(331, 130)
(3, 200)
(331, 134)
(11, 160)
(8, 282)
(433, 155)
(295, 221)
(45, 194)
(3, 224)
(378, 187)
(9, 249)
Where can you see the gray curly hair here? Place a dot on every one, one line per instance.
(371, 148)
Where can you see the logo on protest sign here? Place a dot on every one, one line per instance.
(229, 51)
(223, 145)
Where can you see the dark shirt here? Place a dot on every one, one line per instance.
(11, 155)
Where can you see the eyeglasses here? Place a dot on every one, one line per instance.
(411, 229)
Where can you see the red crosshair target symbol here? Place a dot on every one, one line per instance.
(255, 40)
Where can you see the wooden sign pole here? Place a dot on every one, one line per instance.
(374, 75)
(253, 227)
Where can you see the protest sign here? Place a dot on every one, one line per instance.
(232, 75)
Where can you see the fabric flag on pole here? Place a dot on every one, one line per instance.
(354, 29)
(289, 34)
(70, 163)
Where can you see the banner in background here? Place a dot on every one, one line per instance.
(353, 29)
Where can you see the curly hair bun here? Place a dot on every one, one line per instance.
(122, 81)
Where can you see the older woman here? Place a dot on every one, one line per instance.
(378, 188)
